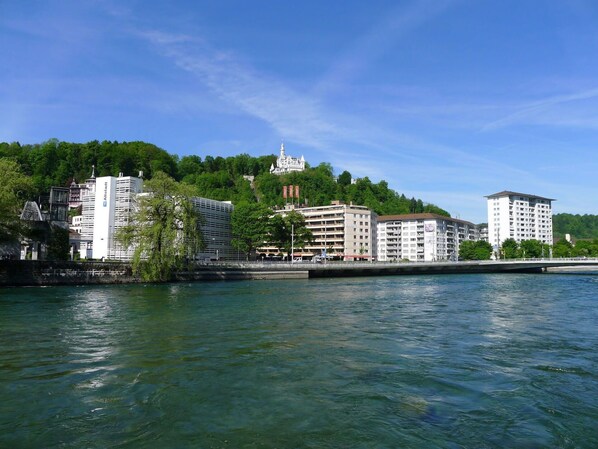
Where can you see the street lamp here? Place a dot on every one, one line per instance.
(217, 252)
(292, 242)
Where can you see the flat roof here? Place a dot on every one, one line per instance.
(509, 193)
(422, 216)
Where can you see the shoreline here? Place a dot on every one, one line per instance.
(44, 273)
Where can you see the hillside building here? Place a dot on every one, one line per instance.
(422, 237)
(287, 164)
(518, 216)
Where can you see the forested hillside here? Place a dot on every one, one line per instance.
(56, 163)
(579, 226)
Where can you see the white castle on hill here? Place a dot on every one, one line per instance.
(287, 164)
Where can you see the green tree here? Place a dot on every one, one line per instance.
(14, 189)
(562, 248)
(289, 230)
(585, 248)
(475, 250)
(165, 229)
(531, 248)
(250, 226)
(58, 244)
(344, 178)
(510, 249)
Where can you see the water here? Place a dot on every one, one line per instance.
(473, 361)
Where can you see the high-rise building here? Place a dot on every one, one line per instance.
(108, 203)
(422, 237)
(518, 216)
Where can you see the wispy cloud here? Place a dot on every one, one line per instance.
(533, 112)
(379, 40)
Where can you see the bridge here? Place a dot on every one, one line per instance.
(348, 269)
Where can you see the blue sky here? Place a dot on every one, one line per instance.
(446, 100)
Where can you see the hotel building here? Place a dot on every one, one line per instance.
(340, 231)
(518, 216)
(422, 237)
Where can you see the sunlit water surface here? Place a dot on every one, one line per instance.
(471, 361)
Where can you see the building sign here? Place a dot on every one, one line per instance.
(105, 202)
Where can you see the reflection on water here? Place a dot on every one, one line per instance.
(441, 361)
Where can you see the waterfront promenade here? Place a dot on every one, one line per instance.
(31, 273)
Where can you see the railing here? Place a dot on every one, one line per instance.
(305, 265)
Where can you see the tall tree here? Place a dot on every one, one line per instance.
(562, 248)
(510, 249)
(250, 226)
(14, 188)
(478, 250)
(288, 231)
(164, 230)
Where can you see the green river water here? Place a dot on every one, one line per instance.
(452, 361)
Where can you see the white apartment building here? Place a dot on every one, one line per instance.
(519, 216)
(108, 202)
(422, 237)
(340, 231)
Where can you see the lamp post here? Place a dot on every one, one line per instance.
(292, 242)
(217, 252)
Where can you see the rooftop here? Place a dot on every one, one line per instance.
(422, 216)
(509, 193)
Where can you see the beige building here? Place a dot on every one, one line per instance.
(422, 237)
(340, 231)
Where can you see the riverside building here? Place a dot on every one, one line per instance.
(518, 216)
(108, 204)
(422, 237)
(340, 231)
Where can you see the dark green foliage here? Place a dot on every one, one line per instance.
(55, 163)
(527, 249)
(165, 230)
(562, 248)
(579, 226)
(14, 189)
(479, 250)
(585, 248)
(288, 231)
(510, 249)
(533, 249)
(250, 223)
(58, 244)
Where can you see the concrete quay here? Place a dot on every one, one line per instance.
(32, 273)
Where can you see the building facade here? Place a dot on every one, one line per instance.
(340, 231)
(422, 237)
(518, 216)
(216, 229)
(287, 164)
(108, 203)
